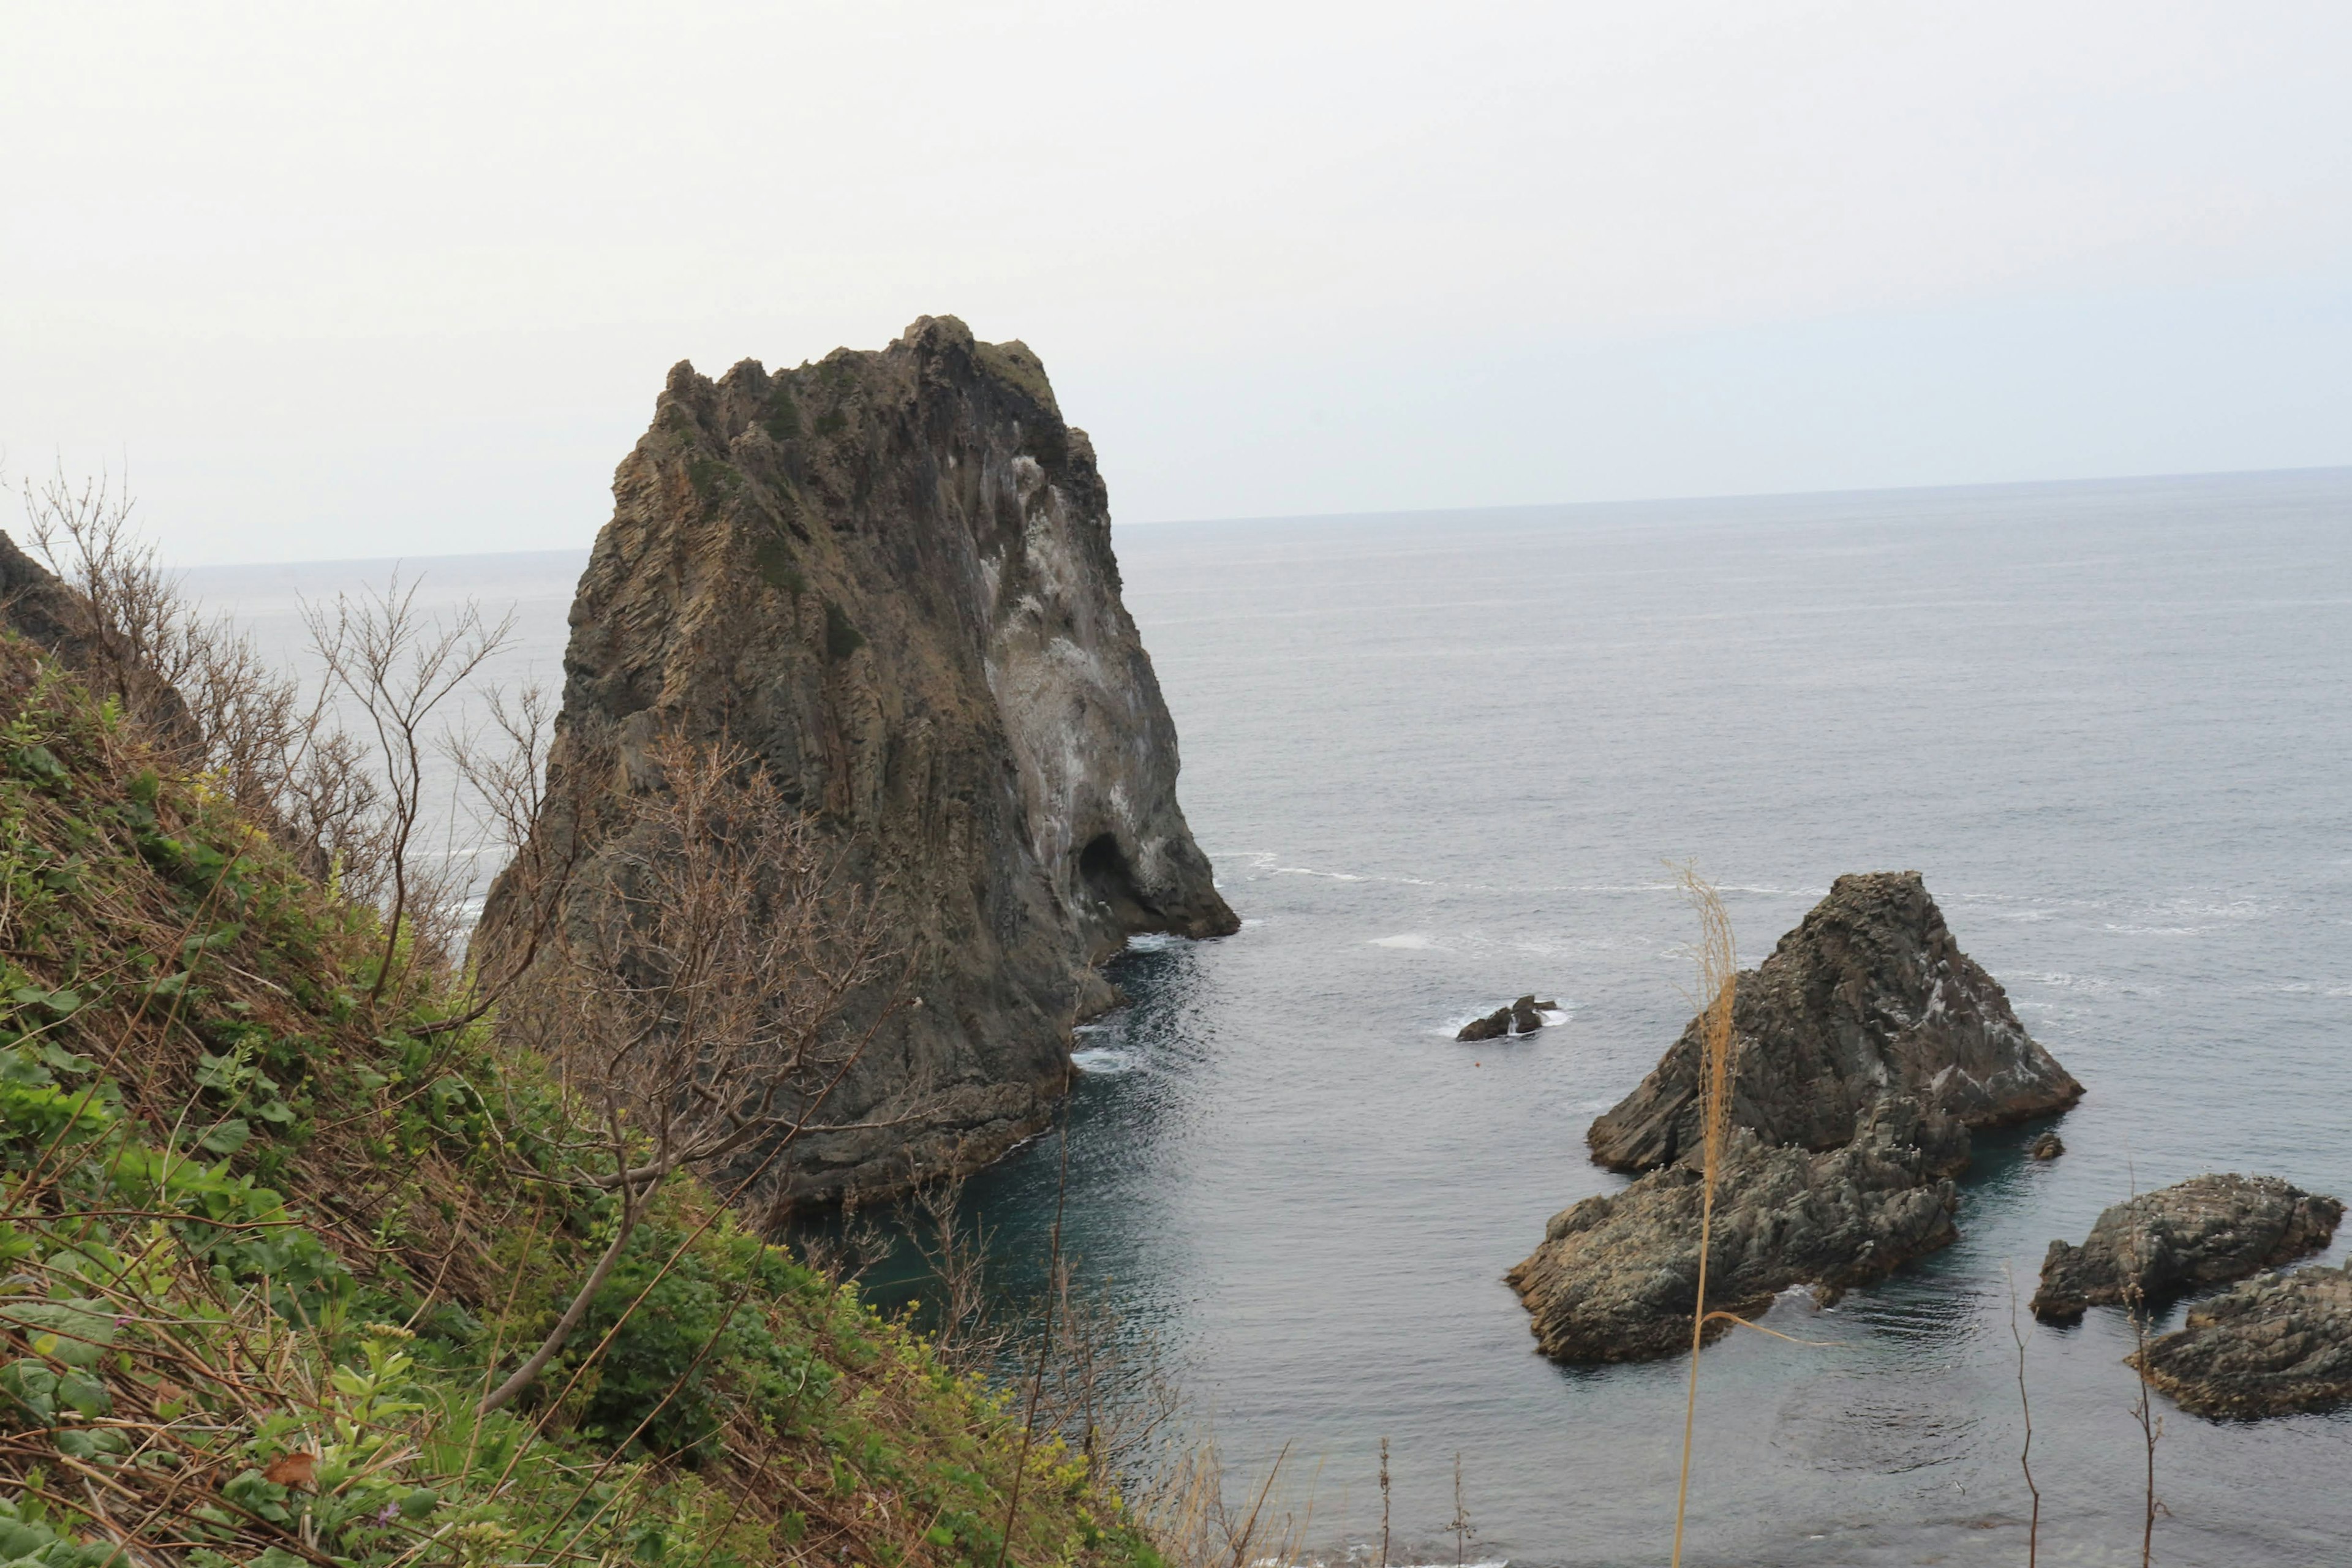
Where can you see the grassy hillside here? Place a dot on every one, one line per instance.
(267, 1244)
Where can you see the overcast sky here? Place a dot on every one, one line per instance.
(341, 280)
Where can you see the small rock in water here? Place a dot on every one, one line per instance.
(2202, 1231)
(1493, 1026)
(1524, 1016)
(2047, 1147)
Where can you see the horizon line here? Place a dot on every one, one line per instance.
(1685, 500)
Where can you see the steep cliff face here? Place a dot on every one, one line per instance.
(889, 575)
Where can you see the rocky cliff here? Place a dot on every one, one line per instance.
(889, 575)
(40, 609)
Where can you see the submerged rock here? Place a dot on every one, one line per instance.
(2202, 1231)
(1869, 996)
(889, 576)
(2270, 1346)
(1524, 1016)
(1617, 1275)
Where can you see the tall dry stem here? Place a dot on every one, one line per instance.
(1718, 982)
(2151, 1425)
(2025, 1455)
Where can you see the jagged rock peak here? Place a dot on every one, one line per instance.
(1869, 996)
(889, 574)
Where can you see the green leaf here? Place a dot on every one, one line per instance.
(36, 761)
(75, 1332)
(33, 1387)
(85, 1394)
(228, 1137)
(64, 1060)
(419, 1502)
(211, 941)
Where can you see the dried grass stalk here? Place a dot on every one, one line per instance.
(1718, 970)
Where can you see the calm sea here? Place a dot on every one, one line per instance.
(1439, 760)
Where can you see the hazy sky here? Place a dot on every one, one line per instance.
(346, 281)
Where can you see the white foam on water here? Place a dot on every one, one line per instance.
(1150, 941)
(1104, 1059)
(1412, 941)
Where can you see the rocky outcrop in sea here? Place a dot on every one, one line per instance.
(1869, 996)
(2276, 1344)
(1866, 1048)
(1617, 1275)
(889, 575)
(2202, 1231)
(1524, 1016)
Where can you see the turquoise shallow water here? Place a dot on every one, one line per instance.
(1439, 759)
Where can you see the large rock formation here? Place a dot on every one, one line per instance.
(1617, 1275)
(2202, 1231)
(1866, 1048)
(889, 575)
(1869, 996)
(2274, 1345)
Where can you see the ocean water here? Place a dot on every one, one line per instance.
(1441, 758)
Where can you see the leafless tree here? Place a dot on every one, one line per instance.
(695, 1004)
(127, 625)
(1109, 1391)
(968, 1331)
(199, 688)
(399, 664)
(504, 762)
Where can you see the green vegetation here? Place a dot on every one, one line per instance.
(774, 558)
(840, 638)
(710, 477)
(1013, 362)
(783, 419)
(267, 1242)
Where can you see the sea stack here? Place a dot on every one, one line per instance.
(1868, 997)
(1866, 1049)
(888, 575)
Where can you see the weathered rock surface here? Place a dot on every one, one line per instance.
(889, 575)
(2202, 1231)
(1869, 996)
(1617, 1275)
(2270, 1346)
(1524, 1016)
(2047, 1147)
(39, 608)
